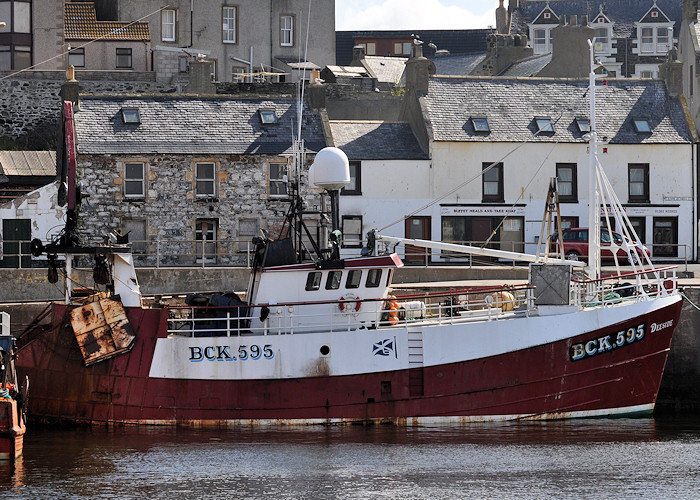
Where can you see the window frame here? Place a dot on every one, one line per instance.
(79, 52)
(639, 128)
(492, 198)
(278, 180)
(573, 197)
(141, 180)
(201, 180)
(131, 116)
(374, 278)
(352, 243)
(544, 125)
(202, 242)
(164, 22)
(313, 281)
(334, 280)
(139, 246)
(229, 29)
(638, 198)
(356, 173)
(290, 30)
(480, 124)
(353, 279)
(126, 52)
(583, 124)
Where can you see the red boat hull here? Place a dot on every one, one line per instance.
(537, 382)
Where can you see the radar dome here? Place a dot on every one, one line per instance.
(330, 170)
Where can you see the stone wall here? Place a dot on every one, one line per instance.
(30, 103)
(170, 208)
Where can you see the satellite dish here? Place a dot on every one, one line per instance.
(330, 170)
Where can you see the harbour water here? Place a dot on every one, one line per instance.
(606, 458)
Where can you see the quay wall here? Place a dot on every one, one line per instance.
(680, 387)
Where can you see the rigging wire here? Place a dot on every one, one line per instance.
(111, 32)
(480, 174)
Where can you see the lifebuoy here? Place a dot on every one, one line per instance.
(349, 303)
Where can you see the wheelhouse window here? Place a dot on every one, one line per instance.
(205, 179)
(638, 182)
(124, 59)
(333, 280)
(287, 31)
(278, 180)
(134, 180)
(313, 281)
(374, 277)
(355, 186)
(76, 58)
(492, 183)
(354, 279)
(228, 24)
(566, 182)
(167, 25)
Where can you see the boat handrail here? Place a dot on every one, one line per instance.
(435, 294)
(629, 274)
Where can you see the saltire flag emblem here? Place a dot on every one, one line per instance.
(383, 347)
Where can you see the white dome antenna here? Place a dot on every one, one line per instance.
(330, 170)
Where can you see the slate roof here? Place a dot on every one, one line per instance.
(387, 69)
(623, 13)
(456, 41)
(529, 66)
(80, 23)
(191, 125)
(457, 64)
(511, 104)
(28, 163)
(376, 140)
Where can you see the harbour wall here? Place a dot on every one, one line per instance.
(680, 387)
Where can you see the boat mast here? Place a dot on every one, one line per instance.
(593, 268)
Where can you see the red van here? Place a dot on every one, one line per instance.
(576, 244)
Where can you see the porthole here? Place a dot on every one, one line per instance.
(325, 350)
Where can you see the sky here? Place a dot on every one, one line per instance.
(414, 14)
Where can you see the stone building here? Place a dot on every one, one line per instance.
(192, 179)
(242, 38)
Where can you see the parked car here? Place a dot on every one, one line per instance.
(576, 244)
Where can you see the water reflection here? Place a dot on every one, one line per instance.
(570, 459)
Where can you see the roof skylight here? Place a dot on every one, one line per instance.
(584, 126)
(131, 116)
(641, 125)
(268, 116)
(480, 124)
(544, 125)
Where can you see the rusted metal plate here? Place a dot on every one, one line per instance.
(102, 330)
(122, 333)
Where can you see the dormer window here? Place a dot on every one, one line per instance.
(584, 126)
(131, 116)
(480, 124)
(641, 125)
(544, 125)
(540, 31)
(654, 33)
(603, 31)
(268, 116)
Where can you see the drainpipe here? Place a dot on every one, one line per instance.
(191, 24)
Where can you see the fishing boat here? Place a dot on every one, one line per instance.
(332, 340)
(13, 397)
